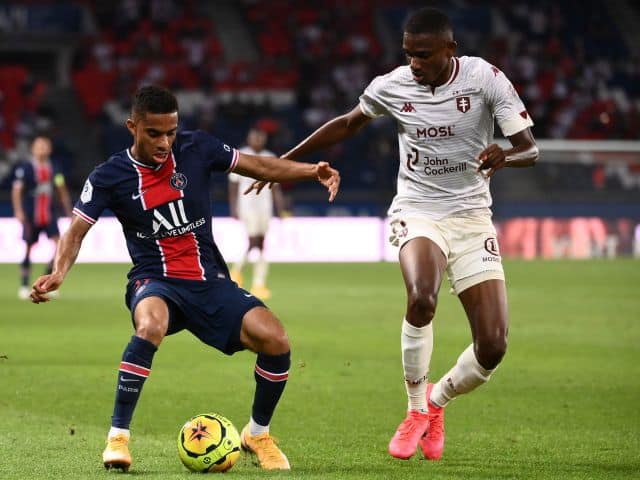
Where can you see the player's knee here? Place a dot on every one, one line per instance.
(421, 306)
(490, 351)
(151, 328)
(278, 344)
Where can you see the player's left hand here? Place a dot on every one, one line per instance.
(491, 159)
(329, 177)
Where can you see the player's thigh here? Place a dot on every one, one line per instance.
(256, 241)
(30, 233)
(151, 318)
(154, 306)
(423, 254)
(474, 255)
(261, 331)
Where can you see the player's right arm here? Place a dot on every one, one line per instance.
(332, 132)
(17, 190)
(66, 255)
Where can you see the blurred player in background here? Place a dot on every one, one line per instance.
(32, 198)
(159, 191)
(445, 108)
(255, 213)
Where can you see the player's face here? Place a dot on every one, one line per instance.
(153, 135)
(41, 148)
(429, 56)
(256, 139)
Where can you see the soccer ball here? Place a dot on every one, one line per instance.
(209, 443)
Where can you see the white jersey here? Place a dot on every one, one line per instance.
(259, 204)
(441, 132)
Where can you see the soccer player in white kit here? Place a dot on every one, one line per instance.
(255, 212)
(445, 108)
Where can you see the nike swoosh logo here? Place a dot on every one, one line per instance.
(122, 379)
(247, 295)
(136, 196)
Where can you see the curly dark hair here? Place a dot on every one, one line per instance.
(153, 99)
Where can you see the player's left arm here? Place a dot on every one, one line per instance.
(513, 119)
(63, 194)
(272, 169)
(524, 153)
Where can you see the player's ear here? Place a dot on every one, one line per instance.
(131, 126)
(452, 45)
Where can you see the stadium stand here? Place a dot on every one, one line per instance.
(295, 64)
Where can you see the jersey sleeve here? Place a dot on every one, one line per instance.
(505, 104)
(219, 156)
(371, 101)
(19, 175)
(94, 198)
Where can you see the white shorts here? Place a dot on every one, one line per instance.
(468, 241)
(256, 223)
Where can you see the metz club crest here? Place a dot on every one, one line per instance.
(463, 104)
(178, 181)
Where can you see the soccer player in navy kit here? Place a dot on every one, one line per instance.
(32, 200)
(159, 191)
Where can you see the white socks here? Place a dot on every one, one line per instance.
(466, 375)
(256, 429)
(417, 345)
(113, 431)
(239, 265)
(260, 271)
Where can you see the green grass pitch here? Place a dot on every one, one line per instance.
(564, 404)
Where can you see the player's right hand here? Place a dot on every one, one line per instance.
(258, 185)
(44, 285)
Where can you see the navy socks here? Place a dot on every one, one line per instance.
(271, 375)
(134, 370)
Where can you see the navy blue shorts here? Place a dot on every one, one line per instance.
(210, 310)
(31, 232)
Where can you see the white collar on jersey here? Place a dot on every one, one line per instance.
(140, 164)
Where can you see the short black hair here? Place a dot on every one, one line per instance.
(153, 99)
(428, 20)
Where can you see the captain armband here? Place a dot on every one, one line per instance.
(58, 180)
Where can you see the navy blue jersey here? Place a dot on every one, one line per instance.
(164, 210)
(38, 181)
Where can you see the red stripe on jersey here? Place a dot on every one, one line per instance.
(181, 257)
(154, 186)
(135, 369)
(42, 214)
(84, 216)
(273, 377)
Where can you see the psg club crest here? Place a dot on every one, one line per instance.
(178, 181)
(463, 104)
